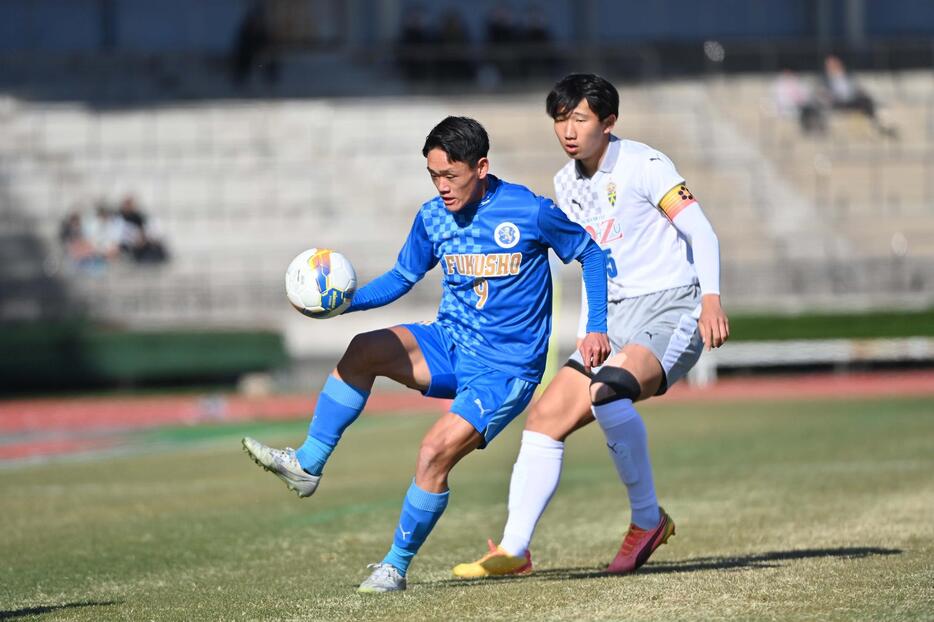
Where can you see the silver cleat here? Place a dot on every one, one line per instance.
(384, 578)
(283, 464)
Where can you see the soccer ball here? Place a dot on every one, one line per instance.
(320, 283)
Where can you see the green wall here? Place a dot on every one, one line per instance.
(76, 356)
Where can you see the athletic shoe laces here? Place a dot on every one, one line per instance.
(632, 538)
(383, 570)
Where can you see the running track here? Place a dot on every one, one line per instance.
(53, 426)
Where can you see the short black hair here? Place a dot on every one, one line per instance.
(602, 96)
(462, 138)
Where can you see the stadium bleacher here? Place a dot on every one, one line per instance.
(237, 187)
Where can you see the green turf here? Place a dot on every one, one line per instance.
(790, 511)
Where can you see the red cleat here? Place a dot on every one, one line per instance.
(639, 544)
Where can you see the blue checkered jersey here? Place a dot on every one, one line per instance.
(496, 289)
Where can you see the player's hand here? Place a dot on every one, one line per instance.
(594, 349)
(713, 324)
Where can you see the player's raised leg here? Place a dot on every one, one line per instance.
(633, 374)
(393, 353)
(562, 408)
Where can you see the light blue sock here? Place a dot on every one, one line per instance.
(628, 443)
(420, 511)
(338, 406)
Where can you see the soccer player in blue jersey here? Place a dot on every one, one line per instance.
(487, 347)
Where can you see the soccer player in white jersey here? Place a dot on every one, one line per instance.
(663, 271)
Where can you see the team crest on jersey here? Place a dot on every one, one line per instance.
(506, 235)
(611, 194)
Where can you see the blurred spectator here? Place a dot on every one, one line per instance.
(539, 57)
(841, 92)
(415, 39)
(501, 35)
(104, 232)
(456, 59)
(794, 98)
(91, 241)
(500, 26)
(78, 249)
(137, 238)
(253, 46)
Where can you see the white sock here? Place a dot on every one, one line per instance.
(534, 480)
(629, 449)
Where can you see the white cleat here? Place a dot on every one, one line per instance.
(384, 578)
(283, 464)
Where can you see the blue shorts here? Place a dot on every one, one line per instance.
(486, 398)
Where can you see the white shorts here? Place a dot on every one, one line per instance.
(665, 322)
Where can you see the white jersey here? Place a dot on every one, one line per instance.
(618, 206)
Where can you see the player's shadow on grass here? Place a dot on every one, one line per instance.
(772, 559)
(13, 614)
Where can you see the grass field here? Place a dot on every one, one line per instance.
(785, 511)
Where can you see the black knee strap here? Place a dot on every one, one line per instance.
(624, 384)
(577, 367)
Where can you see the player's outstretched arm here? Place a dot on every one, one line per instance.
(570, 241)
(582, 323)
(382, 290)
(713, 324)
(415, 259)
(595, 346)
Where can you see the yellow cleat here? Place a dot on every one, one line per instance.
(497, 562)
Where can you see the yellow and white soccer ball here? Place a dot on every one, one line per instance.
(320, 283)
